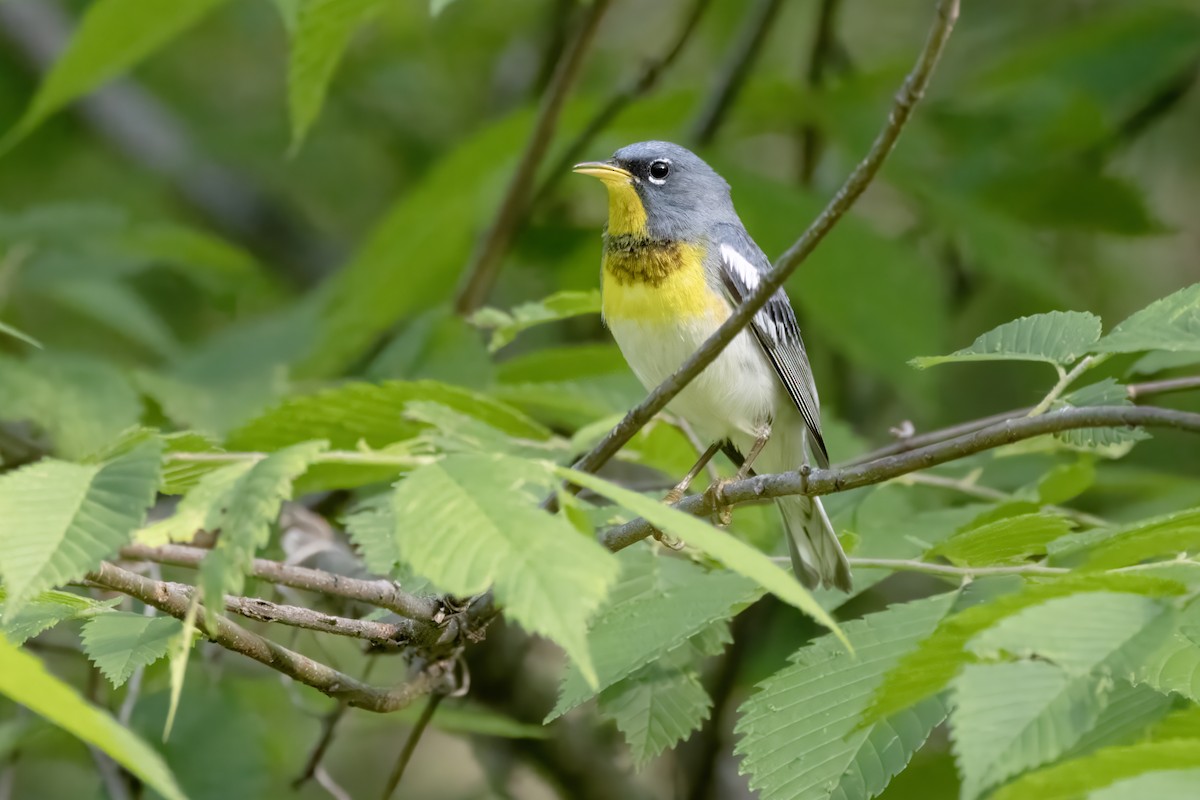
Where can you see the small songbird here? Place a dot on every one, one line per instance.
(677, 259)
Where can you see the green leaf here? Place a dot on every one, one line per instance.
(243, 514)
(1010, 540)
(490, 532)
(1112, 442)
(119, 643)
(47, 610)
(1072, 779)
(112, 36)
(371, 527)
(1130, 713)
(559, 306)
(25, 680)
(1167, 535)
(1170, 665)
(1008, 718)
(116, 307)
(1167, 784)
(572, 386)
(1172, 323)
(731, 552)
(798, 734)
(656, 608)
(323, 29)
(1057, 337)
(928, 669)
(193, 512)
(1076, 633)
(62, 519)
(656, 709)
(82, 404)
(1066, 481)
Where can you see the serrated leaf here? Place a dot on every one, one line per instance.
(119, 643)
(1057, 337)
(559, 306)
(321, 32)
(25, 680)
(112, 36)
(1172, 323)
(47, 610)
(656, 709)
(453, 431)
(1066, 481)
(1166, 535)
(799, 737)
(1008, 718)
(1073, 779)
(658, 606)
(731, 552)
(1076, 633)
(491, 532)
(243, 514)
(63, 519)
(1130, 713)
(928, 669)
(1010, 540)
(372, 529)
(193, 511)
(1171, 664)
(1109, 441)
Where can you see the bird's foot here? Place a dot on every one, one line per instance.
(715, 495)
(662, 537)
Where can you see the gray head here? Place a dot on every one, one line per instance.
(681, 195)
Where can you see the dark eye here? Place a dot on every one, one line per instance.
(659, 170)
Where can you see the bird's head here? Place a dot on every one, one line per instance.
(660, 190)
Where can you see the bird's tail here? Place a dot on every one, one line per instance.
(817, 555)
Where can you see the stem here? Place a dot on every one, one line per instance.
(972, 489)
(1065, 379)
(410, 744)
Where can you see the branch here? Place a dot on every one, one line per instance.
(480, 274)
(734, 71)
(380, 633)
(1135, 392)
(173, 599)
(382, 593)
(617, 103)
(910, 92)
(410, 744)
(827, 481)
(814, 78)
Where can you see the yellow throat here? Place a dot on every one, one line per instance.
(643, 279)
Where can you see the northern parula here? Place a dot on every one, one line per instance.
(677, 259)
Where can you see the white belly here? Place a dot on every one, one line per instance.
(736, 396)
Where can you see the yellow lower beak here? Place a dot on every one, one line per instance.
(609, 173)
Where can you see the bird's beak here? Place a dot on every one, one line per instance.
(606, 171)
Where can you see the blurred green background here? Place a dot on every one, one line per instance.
(182, 267)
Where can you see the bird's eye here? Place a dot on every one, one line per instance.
(659, 171)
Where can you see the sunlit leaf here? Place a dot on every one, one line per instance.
(119, 643)
(1010, 540)
(1072, 779)
(1172, 323)
(506, 325)
(1056, 337)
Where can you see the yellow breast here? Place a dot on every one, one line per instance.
(663, 285)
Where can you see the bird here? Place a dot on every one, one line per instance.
(676, 262)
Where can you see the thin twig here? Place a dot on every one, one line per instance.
(827, 481)
(1065, 379)
(480, 273)
(1135, 392)
(410, 744)
(734, 71)
(814, 79)
(382, 592)
(912, 565)
(640, 85)
(172, 599)
(910, 92)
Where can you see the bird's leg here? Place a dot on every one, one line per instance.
(676, 494)
(725, 513)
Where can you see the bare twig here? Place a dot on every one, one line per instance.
(924, 567)
(640, 85)
(410, 744)
(828, 481)
(972, 489)
(173, 599)
(379, 633)
(734, 71)
(814, 78)
(1135, 392)
(382, 593)
(480, 273)
(910, 92)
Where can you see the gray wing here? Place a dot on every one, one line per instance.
(740, 263)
